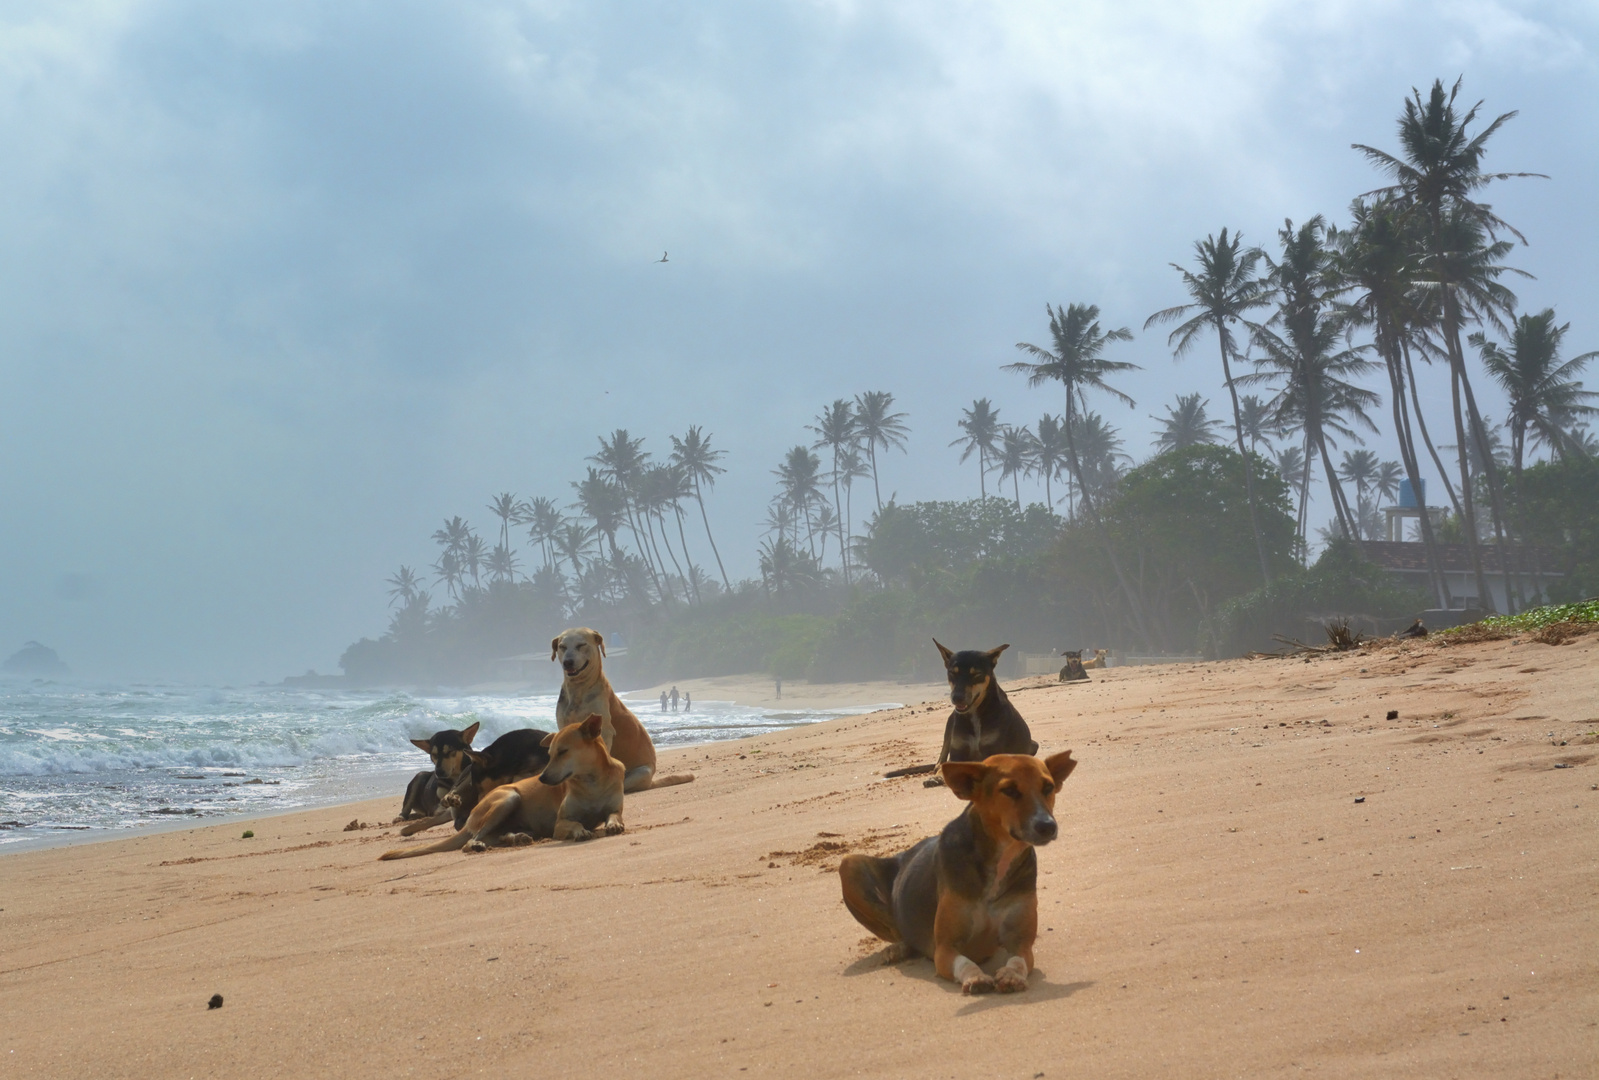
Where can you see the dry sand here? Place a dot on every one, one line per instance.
(1218, 905)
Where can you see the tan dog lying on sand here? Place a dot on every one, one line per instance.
(1098, 661)
(585, 691)
(969, 894)
(578, 795)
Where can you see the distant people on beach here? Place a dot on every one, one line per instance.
(674, 699)
(663, 700)
(688, 703)
(780, 688)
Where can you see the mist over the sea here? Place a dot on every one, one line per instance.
(282, 287)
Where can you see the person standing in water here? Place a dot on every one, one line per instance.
(674, 699)
(663, 700)
(688, 704)
(780, 688)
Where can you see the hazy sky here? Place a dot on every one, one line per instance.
(283, 285)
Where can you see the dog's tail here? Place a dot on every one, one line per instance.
(449, 843)
(671, 779)
(868, 893)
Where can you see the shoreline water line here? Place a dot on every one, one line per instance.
(80, 763)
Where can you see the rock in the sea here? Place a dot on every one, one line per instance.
(34, 660)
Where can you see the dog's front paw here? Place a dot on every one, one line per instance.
(475, 846)
(896, 952)
(978, 984)
(516, 839)
(1007, 981)
(449, 798)
(937, 781)
(614, 827)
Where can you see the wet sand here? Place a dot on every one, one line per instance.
(1218, 904)
(761, 691)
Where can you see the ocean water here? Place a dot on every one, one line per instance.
(91, 760)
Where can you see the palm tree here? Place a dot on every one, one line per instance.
(657, 491)
(799, 486)
(1015, 457)
(404, 586)
(623, 460)
(1544, 394)
(474, 556)
(452, 540)
(876, 425)
(784, 567)
(575, 542)
(835, 429)
(851, 467)
(981, 426)
(1386, 484)
(1360, 468)
(1222, 292)
(1377, 258)
(1049, 452)
(602, 502)
(1256, 419)
(1302, 344)
(693, 454)
(1436, 176)
(505, 507)
(1295, 469)
(1078, 364)
(502, 564)
(544, 520)
(1186, 425)
(1099, 453)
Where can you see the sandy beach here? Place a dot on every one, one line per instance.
(1221, 902)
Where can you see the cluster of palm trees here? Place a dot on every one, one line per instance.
(814, 504)
(1421, 260)
(1420, 264)
(584, 558)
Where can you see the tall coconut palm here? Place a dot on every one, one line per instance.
(1545, 397)
(505, 507)
(1186, 425)
(544, 521)
(502, 564)
(404, 586)
(1222, 289)
(1077, 362)
(1099, 454)
(623, 460)
(851, 467)
(799, 487)
(474, 558)
(1386, 482)
(1295, 469)
(694, 455)
(602, 502)
(876, 424)
(1049, 452)
(835, 429)
(1359, 467)
(1377, 258)
(1015, 457)
(1304, 345)
(981, 428)
(1437, 175)
(575, 542)
(657, 491)
(1256, 420)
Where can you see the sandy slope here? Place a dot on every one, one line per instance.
(1218, 905)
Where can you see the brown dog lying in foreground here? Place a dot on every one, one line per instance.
(585, 691)
(578, 795)
(970, 893)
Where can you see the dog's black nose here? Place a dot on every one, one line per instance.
(1044, 827)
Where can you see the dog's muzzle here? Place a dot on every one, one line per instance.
(1042, 829)
(571, 667)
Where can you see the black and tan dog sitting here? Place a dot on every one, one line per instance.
(448, 750)
(984, 722)
(1073, 671)
(969, 894)
(513, 756)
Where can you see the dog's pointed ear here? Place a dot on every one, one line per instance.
(993, 654)
(555, 647)
(468, 734)
(547, 740)
(593, 726)
(424, 745)
(1060, 766)
(963, 777)
(599, 639)
(945, 653)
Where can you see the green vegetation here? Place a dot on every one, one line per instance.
(1202, 546)
(1583, 611)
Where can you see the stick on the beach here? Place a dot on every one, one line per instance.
(914, 770)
